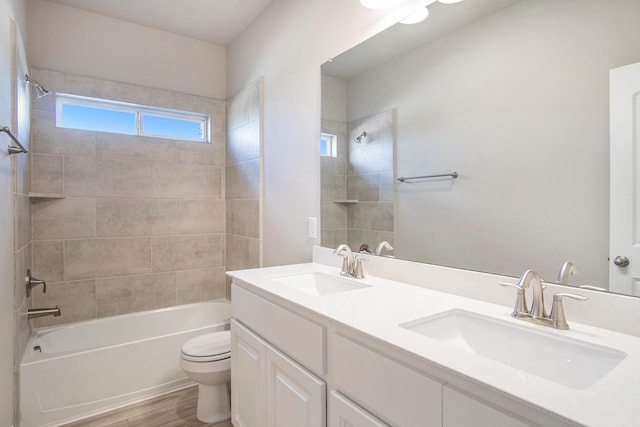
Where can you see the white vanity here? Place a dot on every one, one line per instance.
(311, 348)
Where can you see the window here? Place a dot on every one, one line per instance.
(328, 145)
(79, 112)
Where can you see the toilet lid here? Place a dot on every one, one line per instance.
(216, 345)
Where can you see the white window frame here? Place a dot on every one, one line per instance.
(333, 144)
(140, 111)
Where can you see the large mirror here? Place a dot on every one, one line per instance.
(513, 96)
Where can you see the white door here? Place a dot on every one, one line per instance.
(624, 249)
(295, 397)
(345, 413)
(248, 363)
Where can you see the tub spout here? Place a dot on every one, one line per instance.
(32, 313)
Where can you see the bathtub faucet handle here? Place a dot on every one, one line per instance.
(32, 281)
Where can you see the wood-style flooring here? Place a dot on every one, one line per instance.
(177, 409)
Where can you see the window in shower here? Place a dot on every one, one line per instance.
(94, 114)
(328, 145)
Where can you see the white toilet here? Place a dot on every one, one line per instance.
(207, 360)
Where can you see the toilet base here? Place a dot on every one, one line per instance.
(214, 404)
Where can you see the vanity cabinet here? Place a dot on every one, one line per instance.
(461, 410)
(345, 413)
(270, 389)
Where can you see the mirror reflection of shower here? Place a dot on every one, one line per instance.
(358, 139)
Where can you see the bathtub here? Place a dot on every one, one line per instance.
(81, 369)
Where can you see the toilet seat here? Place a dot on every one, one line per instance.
(209, 347)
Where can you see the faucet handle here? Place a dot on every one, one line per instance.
(557, 309)
(346, 266)
(520, 308)
(31, 281)
(357, 268)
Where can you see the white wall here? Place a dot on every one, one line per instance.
(11, 9)
(287, 44)
(66, 39)
(517, 103)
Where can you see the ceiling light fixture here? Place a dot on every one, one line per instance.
(418, 16)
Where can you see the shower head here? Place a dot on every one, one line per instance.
(358, 139)
(40, 90)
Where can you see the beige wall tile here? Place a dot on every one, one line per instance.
(244, 106)
(200, 285)
(201, 153)
(386, 184)
(242, 180)
(243, 143)
(23, 223)
(91, 258)
(187, 252)
(201, 216)
(48, 260)
(48, 139)
(115, 146)
(134, 217)
(85, 176)
(53, 81)
(184, 181)
(64, 218)
(121, 295)
(242, 252)
(123, 178)
(334, 215)
(23, 173)
(76, 300)
(243, 218)
(80, 176)
(376, 216)
(48, 174)
(363, 187)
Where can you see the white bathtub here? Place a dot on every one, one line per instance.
(89, 367)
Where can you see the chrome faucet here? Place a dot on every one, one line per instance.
(381, 246)
(568, 269)
(32, 313)
(537, 313)
(351, 266)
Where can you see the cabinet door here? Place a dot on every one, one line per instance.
(295, 397)
(460, 410)
(345, 413)
(247, 378)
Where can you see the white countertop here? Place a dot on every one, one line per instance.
(379, 309)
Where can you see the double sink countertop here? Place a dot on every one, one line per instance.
(395, 313)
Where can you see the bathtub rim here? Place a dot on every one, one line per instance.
(31, 356)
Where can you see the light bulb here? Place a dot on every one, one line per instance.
(417, 16)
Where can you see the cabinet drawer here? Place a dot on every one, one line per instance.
(249, 309)
(298, 337)
(343, 412)
(390, 390)
(460, 410)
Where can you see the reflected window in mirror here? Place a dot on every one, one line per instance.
(328, 145)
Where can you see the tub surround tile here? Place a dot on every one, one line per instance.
(363, 187)
(199, 285)
(242, 252)
(92, 258)
(63, 218)
(243, 217)
(49, 177)
(23, 224)
(187, 252)
(244, 143)
(79, 176)
(90, 177)
(185, 181)
(129, 294)
(135, 217)
(201, 216)
(242, 180)
(77, 301)
(116, 146)
(202, 153)
(48, 139)
(48, 260)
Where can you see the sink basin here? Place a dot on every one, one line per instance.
(318, 284)
(566, 361)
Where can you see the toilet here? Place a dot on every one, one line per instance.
(206, 359)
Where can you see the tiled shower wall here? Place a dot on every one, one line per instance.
(142, 222)
(362, 174)
(243, 178)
